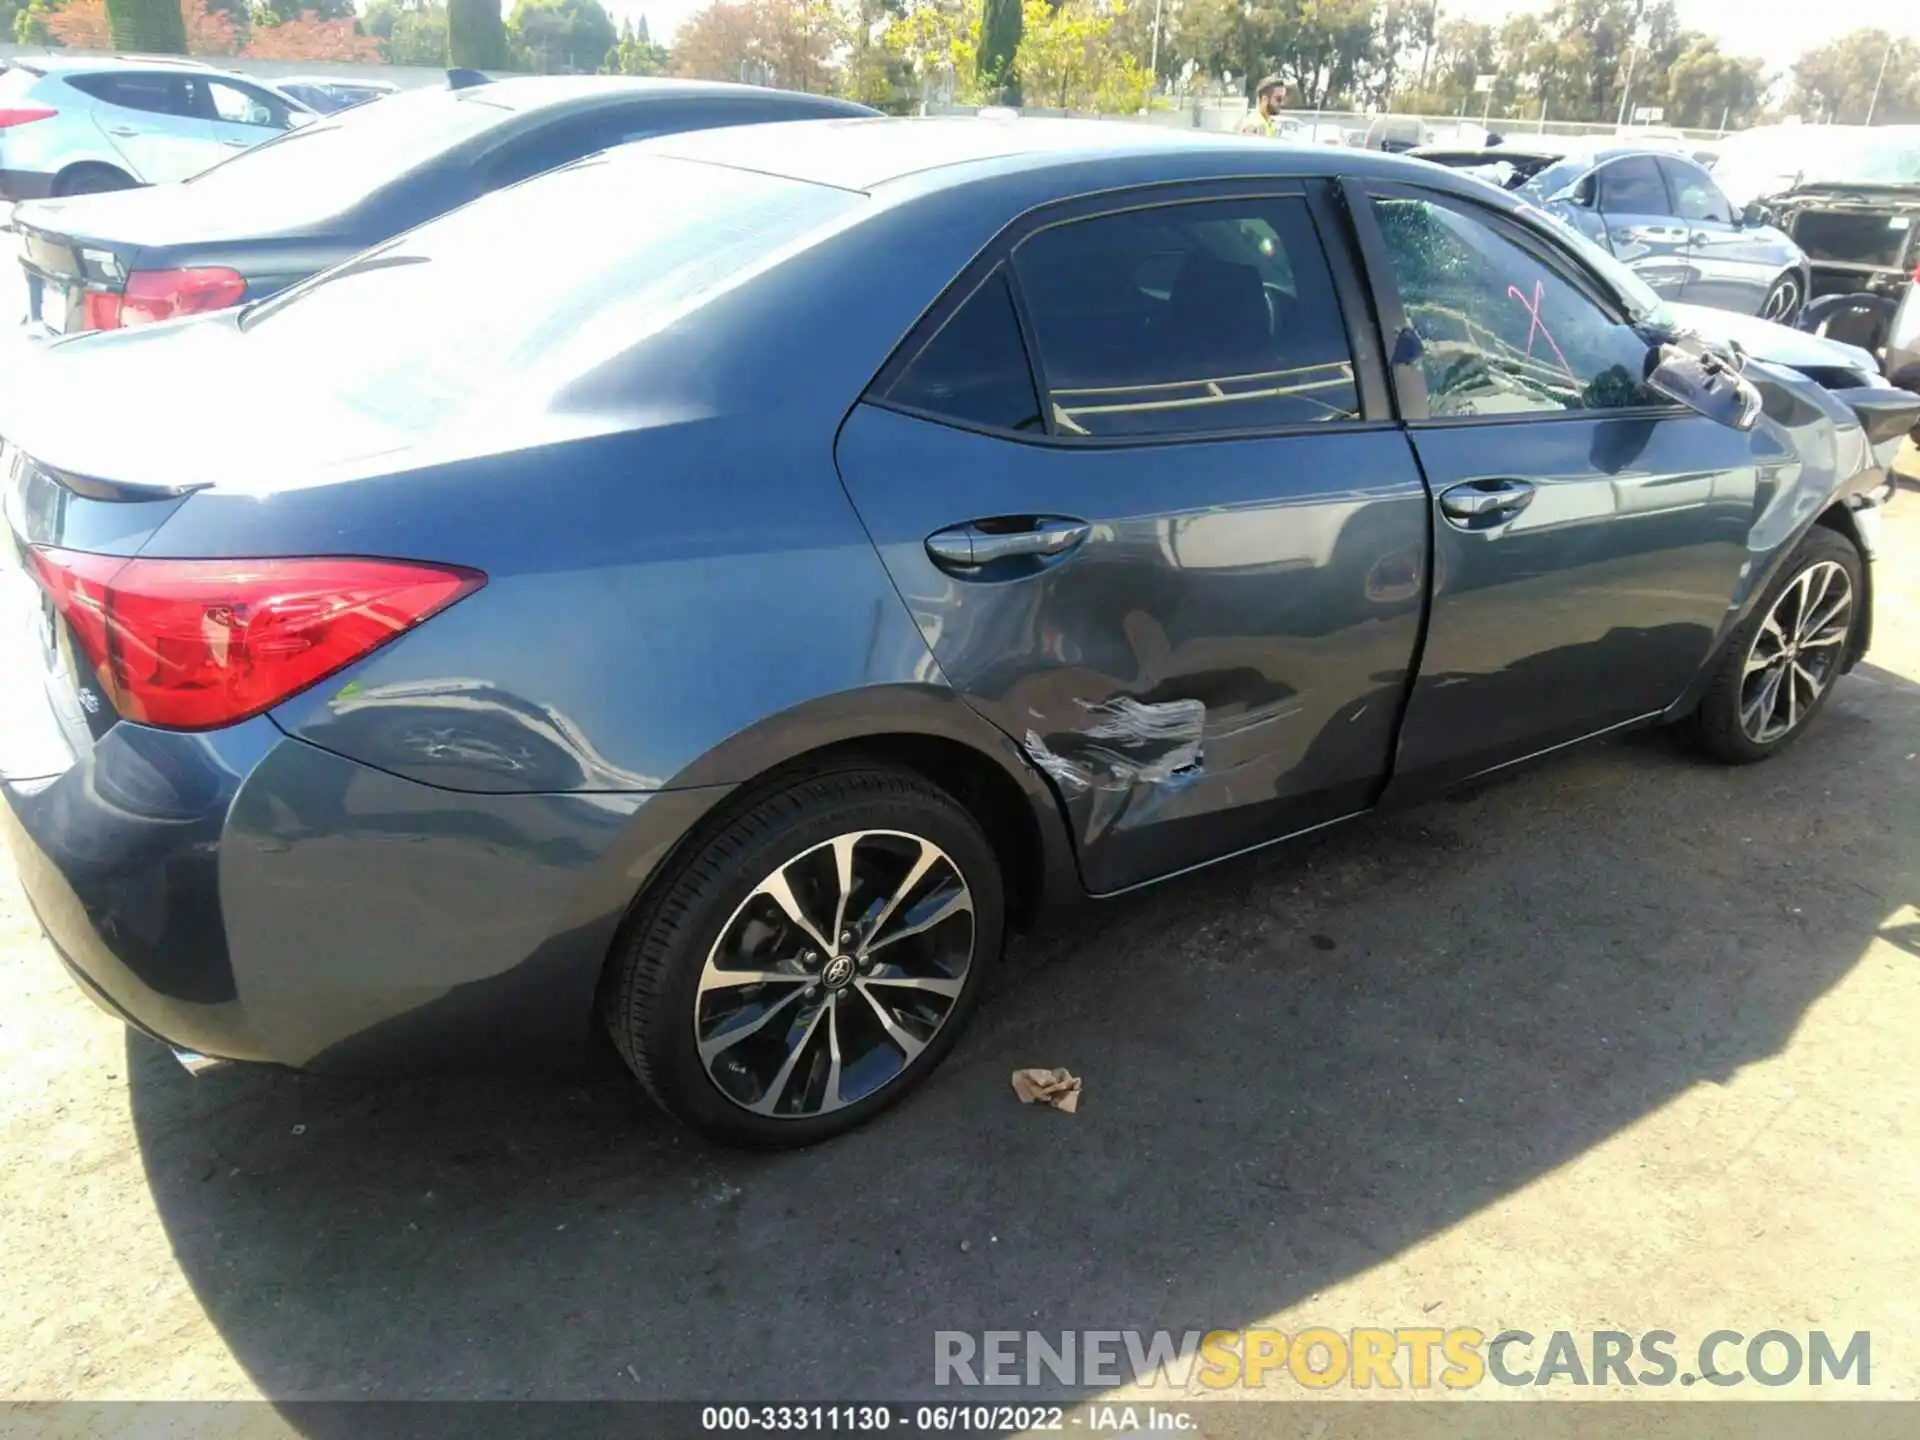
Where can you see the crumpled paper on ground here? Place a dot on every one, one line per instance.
(1049, 1087)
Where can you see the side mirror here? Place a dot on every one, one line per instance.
(1754, 214)
(1579, 193)
(1706, 383)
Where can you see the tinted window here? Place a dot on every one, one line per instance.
(1501, 332)
(1185, 319)
(1695, 197)
(975, 368)
(156, 94)
(1633, 187)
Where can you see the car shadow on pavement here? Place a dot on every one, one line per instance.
(1296, 1066)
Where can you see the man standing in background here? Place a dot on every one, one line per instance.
(1267, 101)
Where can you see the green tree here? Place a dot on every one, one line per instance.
(635, 54)
(1070, 59)
(997, 61)
(153, 27)
(566, 37)
(476, 37)
(1836, 82)
(1708, 89)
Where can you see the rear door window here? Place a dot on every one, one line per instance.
(1187, 319)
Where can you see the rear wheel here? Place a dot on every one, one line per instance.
(1780, 665)
(92, 180)
(813, 962)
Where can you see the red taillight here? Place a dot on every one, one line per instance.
(24, 115)
(100, 310)
(163, 294)
(196, 644)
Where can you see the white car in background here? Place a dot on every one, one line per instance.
(72, 125)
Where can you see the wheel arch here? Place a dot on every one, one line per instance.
(64, 177)
(1838, 518)
(927, 730)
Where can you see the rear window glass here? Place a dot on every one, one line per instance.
(325, 166)
(417, 331)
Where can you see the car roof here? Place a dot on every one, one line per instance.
(867, 153)
(63, 64)
(537, 92)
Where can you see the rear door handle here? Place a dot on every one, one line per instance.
(238, 144)
(123, 130)
(971, 547)
(1486, 502)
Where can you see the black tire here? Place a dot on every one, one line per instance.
(1716, 726)
(651, 1004)
(1785, 301)
(92, 180)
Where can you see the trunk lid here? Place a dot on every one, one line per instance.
(52, 705)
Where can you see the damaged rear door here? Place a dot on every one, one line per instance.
(1152, 516)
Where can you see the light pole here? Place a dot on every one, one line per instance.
(1153, 61)
(1626, 94)
(1878, 79)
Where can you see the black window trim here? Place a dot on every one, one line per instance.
(1363, 345)
(1410, 386)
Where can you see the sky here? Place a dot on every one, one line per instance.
(1775, 30)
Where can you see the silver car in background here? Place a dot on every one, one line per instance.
(72, 126)
(1662, 214)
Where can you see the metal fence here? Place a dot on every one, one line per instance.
(1348, 126)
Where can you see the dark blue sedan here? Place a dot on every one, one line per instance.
(711, 594)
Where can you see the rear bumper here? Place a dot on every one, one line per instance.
(25, 185)
(249, 896)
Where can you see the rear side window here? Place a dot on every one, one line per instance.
(1187, 319)
(975, 368)
(1633, 187)
(155, 94)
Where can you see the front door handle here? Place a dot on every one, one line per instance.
(967, 548)
(239, 144)
(126, 130)
(1486, 502)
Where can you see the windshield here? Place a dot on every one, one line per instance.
(1757, 163)
(532, 285)
(326, 166)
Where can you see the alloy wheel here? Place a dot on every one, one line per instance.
(834, 974)
(1796, 652)
(1782, 302)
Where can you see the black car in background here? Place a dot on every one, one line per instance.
(1849, 195)
(276, 214)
